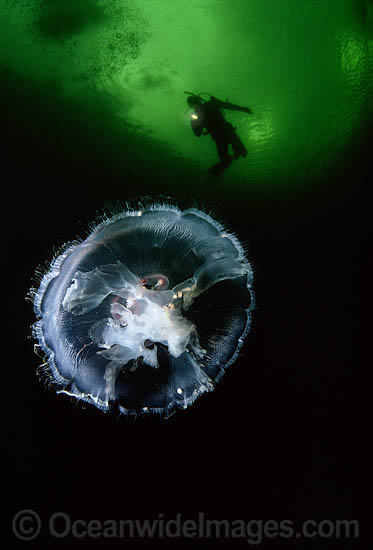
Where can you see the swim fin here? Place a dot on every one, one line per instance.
(217, 169)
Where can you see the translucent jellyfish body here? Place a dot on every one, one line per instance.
(147, 313)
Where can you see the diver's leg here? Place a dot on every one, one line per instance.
(217, 169)
(222, 149)
(238, 147)
(224, 156)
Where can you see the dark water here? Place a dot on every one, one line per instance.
(283, 426)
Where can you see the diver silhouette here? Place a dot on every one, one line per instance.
(207, 114)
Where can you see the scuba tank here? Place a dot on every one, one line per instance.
(199, 96)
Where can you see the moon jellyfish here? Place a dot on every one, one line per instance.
(145, 314)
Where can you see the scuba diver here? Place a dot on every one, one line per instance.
(207, 114)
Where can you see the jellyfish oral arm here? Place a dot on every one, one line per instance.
(149, 315)
(208, 275)
(89, 289)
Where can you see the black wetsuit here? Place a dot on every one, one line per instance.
(222, 132)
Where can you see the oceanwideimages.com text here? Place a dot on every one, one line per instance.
(28, 525)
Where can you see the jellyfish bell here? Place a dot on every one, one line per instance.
(147, 312)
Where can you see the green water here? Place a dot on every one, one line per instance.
(303, 66)
(93, 112)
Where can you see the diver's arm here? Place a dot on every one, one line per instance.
(196, 127)
(230, 106)
(197, 131)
